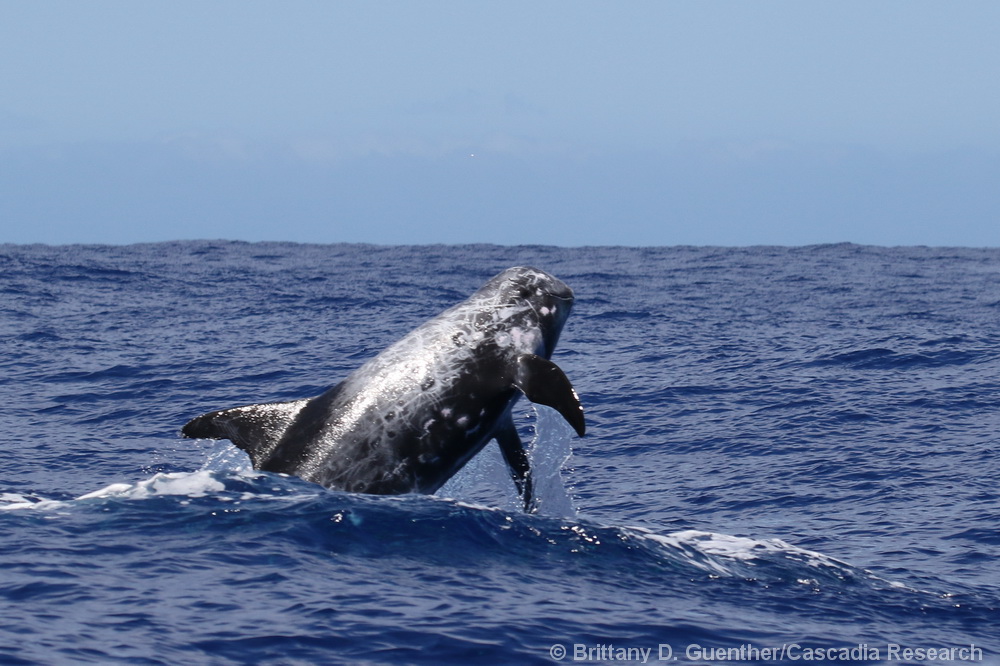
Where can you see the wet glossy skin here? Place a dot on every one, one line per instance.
(410, 418)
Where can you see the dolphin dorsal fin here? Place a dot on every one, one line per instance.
(543, 382)
(257, 429)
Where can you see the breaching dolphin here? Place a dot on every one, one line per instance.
(407, 420)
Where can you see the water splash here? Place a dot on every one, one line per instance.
(485, 480)
(223, 456)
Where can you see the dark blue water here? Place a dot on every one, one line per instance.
(788, 449)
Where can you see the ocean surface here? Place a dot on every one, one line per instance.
(791, 452)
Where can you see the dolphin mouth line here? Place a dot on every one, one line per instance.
(569, 298)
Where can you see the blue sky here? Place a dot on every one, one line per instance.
(566, 123)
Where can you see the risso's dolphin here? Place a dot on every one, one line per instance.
(410, 418)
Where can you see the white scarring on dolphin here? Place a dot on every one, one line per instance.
(410, 418)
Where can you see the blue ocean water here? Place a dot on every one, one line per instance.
(788, 449)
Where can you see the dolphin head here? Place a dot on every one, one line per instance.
(531, 300)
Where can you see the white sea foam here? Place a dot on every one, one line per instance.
(187, 484)
(747, 549)
(190, 484)
(730, 555)
(724, 554)
(13, 498)
(17, 502)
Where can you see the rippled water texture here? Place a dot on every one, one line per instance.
(785, 446)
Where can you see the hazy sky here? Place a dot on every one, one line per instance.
(568, 123)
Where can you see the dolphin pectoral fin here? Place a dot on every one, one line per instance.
(543, 382)
(517, 461)
(256, 429)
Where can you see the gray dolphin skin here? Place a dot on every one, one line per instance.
(410, 418)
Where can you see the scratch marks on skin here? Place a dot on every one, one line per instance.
(410, 417)
(432, 357)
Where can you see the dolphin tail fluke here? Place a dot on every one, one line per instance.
(543, 382)
(256, 429)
